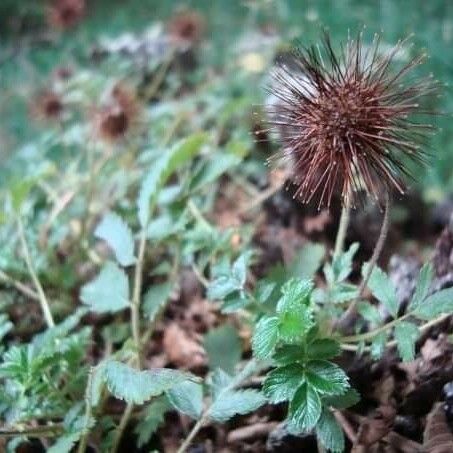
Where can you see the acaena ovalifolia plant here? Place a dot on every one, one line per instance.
(348, 123)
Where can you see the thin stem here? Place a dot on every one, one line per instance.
(185, 445)
(122, 426)
(135, 304)
(193, 208)
(342, 227)
(86, 430)
(371, 264)
(372, 333)
(28, 261)
(159, 77)
(90, 189)
(252, 367)
(24, 289)
(172, 279)
(33, 431)
(344, 423)
(259, 199)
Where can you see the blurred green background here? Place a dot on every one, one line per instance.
(28, 54)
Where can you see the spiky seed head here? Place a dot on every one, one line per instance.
(347, 121)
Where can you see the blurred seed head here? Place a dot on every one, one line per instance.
(63, 14)
(118, 115)
(186, 27)
(47, 106)
(348, 122)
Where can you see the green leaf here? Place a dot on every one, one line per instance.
(230, 403)
(406, 334)
(239, 268)
(5, 325)
(221, 287)
(212, 169)
(342, 265)
(118, 236)
(136, 387)
(224, 285)
(382, 289)
(19, 191)
(153, 417)
(108, 292)
(348, 399)
(187, 397)
(329, 432)
(295, 313)
(323, 348)
(234, 302)
(369, 312)
(281, 383)
(264, 290)
(296, 296)
(223, 347)
(289, 353)
(219, 382)
(304, 409)
(378, 345)
(307, 260)
(265, 337)
(424, 281)
(155, 299)
(162, 169)
(326, 377)
(65, 443)
(165, 226)
(342, 292)
(435, 305)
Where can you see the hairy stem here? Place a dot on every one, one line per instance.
(24, 289)
(185, 445)
(372, 333)
(121, 427)
(346, 346)
(342, 227)
(86, 430)
(249, 369)
(344, 423)
(135, 304)
(29, 262)
(135, 326)
(350, 312)
(33, 431)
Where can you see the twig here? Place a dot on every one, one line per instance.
(259, 199)
(41, 295)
